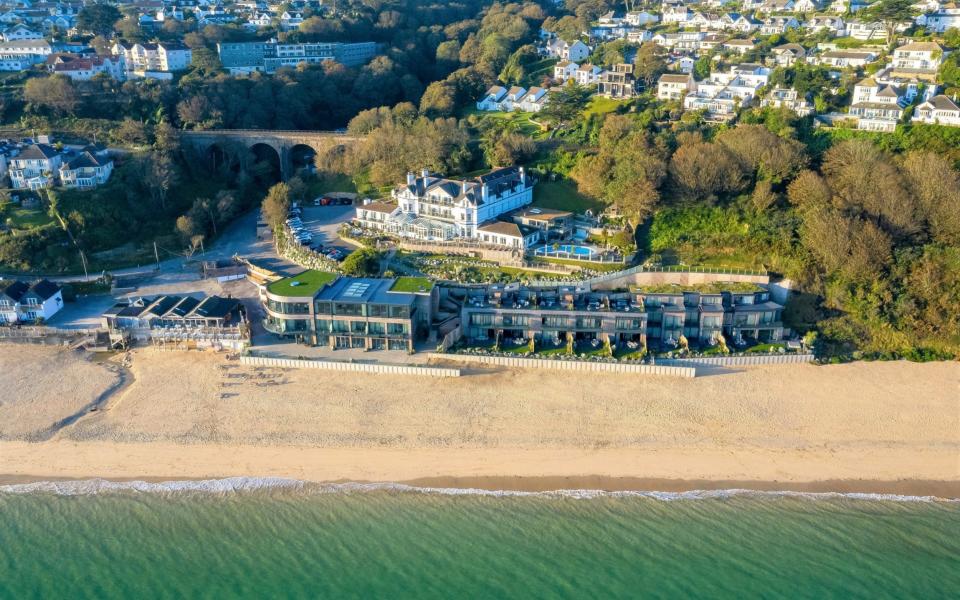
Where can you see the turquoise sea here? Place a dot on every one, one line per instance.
(276, 539)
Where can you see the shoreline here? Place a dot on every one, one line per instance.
(525, 470)
(906, 488)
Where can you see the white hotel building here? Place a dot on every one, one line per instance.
(434, 208)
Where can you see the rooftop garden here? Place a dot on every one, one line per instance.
(412, 285)
(305, 284)
(713, 287)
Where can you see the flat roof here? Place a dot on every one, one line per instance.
(303, 285)
(365, 290)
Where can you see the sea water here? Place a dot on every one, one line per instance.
(252, 538)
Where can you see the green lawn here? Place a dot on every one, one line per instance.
(26, 218)
(600, 106)
(762, 348)
(519, 121)
(412, 285)
(563, 195)
(305, 284)
(585, 264)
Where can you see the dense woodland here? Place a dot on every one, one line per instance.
(867, 226)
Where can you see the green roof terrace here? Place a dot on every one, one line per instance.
(303, 285)
(412, 285)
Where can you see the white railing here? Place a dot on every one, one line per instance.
(330, 365)
(574, 365)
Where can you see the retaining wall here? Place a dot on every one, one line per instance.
(573, 365)
(290, 363)
(738, 361)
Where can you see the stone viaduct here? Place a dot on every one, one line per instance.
(285, 143)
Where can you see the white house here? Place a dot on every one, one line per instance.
(20, 32)
(831, 24)
(943, 19)
(35, 167)
(778, 24)
(565, 70)
(24, 302)
(435, 208)
(877, 107)
(846, 58)
(641, 18)
(722, 94)
(939, 110)
(491, 100)
(575, 52)
(88, 169)
(676, 14)
(788, 54)
(80, 68)
(533, 100)
(155, 60)
(787, 98)
(675, 87)
(918, 59)
(588, 74)
(739, 46)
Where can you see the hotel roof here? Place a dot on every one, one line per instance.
(304, 285)
(365, 290)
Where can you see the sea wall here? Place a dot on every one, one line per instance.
(573, 365)
(738, 361)
(329, 365)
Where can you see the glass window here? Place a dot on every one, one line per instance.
(396, 328)
(400, 312)
(375, 328)
(377, 310)
(481, 319)
(323, 325)
(341, 326)
(358, 327)
(323, 307)
(348, 309)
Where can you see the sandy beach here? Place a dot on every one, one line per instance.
(872, 427)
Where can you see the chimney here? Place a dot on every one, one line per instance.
(411, 178)
(425, 173)
(463, 187)
(484, 192)
(523, 176)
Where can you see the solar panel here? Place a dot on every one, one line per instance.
(356, 289)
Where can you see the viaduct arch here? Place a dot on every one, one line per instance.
(282, 141)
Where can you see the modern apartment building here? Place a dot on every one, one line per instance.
(347, 312)
(655, 316)
(241, 58)
(154, 60)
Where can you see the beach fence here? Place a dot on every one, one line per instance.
(738, 361)
(331, 365)
(574, 365)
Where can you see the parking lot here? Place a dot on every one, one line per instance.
(323, 223)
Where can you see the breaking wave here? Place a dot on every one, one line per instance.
(251, 484)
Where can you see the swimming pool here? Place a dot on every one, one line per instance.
(566, 250)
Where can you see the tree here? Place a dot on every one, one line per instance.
(506, 148)
(439, 100)
(701, 68)
(892, 14)
(763, 195)
(809, 190)
(936, 186)
(276, 204)
(566, 104)
(649, 63)
(55, 92)
(703, 170)
(762, 153)
(98, 19)
(132, 132)
(855, 247)
(865, 181)
(364, 262)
